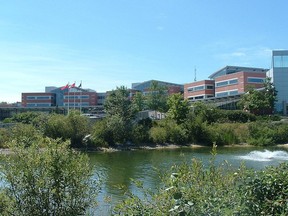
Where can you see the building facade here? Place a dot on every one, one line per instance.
(226, 82)
(199, 90)
(38, 99)
(279, 75)
(57, 97)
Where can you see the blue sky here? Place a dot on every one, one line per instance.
(109, 43)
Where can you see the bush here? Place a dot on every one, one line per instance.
(100, 135)
(4, 137)
(51, 181)
(158, 135)
(265, 192)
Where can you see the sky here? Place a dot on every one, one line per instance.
(111, 43)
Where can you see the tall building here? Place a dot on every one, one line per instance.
(279, 75)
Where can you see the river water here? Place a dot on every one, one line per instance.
(118, 168)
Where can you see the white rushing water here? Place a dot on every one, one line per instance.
(265, 155)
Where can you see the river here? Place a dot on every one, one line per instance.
(118, 168)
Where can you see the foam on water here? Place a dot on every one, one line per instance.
(265, 155)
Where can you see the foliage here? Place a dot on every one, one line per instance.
(25, 117)
(101, 136)
(260, 101)
(74, 127)
(4, 137)
(120, 114)
(25, 134)
(51, 181)
(177, 108)
(57, 127)
(139, 102)
(265, 192)
(190, 189)
(158, 135)
(78, 128)
(157, 97)
(199, 189)
(140, 131)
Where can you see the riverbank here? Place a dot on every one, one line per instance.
(130, 147)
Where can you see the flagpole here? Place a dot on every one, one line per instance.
(68, 99)
(80, 97)
(74, 95)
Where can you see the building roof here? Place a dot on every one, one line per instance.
(234, 69)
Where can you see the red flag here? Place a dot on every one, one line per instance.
(73, 85)
(65, 87)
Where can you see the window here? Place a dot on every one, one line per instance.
(233, 82)
(43, 98)
(255, 80)
(235, 92)
(280, 61)
(199, 97)
(209, 87)
(198, 88)
(222, 94)
(30, 98)
(190, 89)
(220, 84)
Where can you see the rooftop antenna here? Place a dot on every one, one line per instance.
(195, 74)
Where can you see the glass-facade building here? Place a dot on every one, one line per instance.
(280, 78)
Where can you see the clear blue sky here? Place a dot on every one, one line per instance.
(109, 43)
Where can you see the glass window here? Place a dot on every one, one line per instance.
(255, 80)
(30, 98)
(234, 81)
(224, 83)
(43, 98)
(222, 94)
(198, 88)
(209, 87)
(199, 97)
(233, 92)
(280, 61)
(190, 89)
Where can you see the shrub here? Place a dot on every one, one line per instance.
(265, 192)
(158, 134)
(4, 137)
(51, 181)
(100, 136)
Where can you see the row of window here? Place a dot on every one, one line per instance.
(227, 93)
(39, 97)
(39, 105)
(76, 104)
(76, 97)
(199, 88)
(227, 82)
(200, 97)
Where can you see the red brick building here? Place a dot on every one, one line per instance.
(38, 99)
(199, 90)
(228, 81)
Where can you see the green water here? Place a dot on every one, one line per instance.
(117, 168)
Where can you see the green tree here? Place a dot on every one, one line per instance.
(260, 101)
(139, 102)
(178, 108)
(55, 180)
(120, 114)
(157, 97)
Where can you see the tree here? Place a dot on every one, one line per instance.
(178, 108)
(120, 114)
(260, 101)
(55, 180)
(157, 97)
(139, 102)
